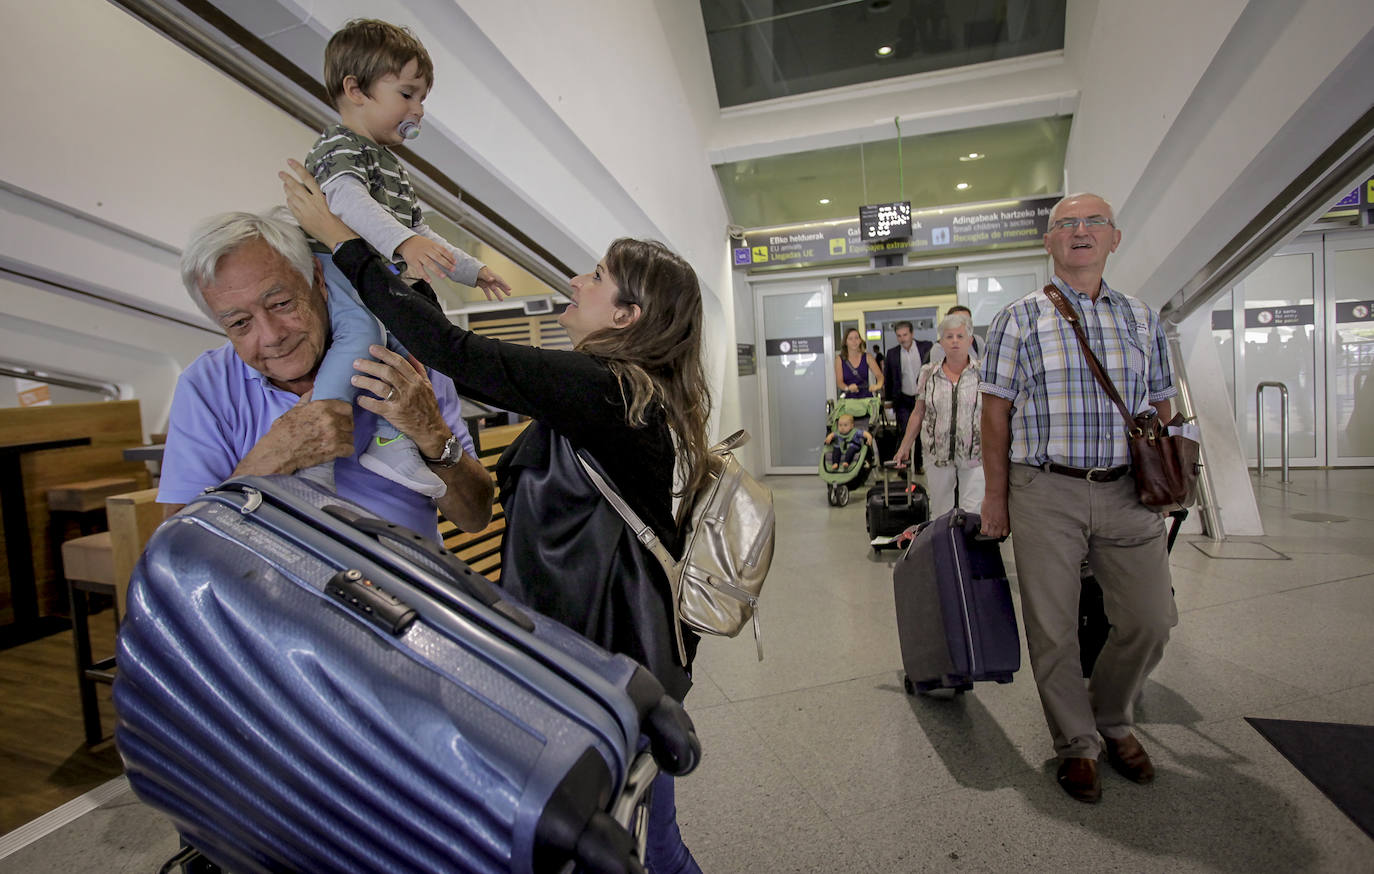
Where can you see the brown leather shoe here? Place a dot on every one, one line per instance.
(1129, 759)
(1078, 776)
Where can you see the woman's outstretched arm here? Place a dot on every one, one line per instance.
(572, 392)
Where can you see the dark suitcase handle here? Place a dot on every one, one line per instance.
(464, 577)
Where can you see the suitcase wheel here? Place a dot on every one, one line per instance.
(908, 685)
(928, 687)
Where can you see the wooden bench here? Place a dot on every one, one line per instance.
(33, 590)
(482, 549)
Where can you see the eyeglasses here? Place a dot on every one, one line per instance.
(1092, 223)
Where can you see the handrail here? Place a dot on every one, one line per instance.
(1283, 426)
(108, 390)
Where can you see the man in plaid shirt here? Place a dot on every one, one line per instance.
(1058, 477)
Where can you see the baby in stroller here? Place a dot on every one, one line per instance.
(852, 451)
(845, 443)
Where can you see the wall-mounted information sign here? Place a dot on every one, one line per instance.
(1354, 311)
(885, 221)
(980, 226)
(1274, 317)
(794, 346)
(744, 354)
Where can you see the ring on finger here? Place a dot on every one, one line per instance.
(391, 394)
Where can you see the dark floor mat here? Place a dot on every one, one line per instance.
(1334, 756)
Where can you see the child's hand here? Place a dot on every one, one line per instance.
(492, 285)
(428, 257)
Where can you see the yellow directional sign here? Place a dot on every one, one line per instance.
(760, 254)
(838, 245)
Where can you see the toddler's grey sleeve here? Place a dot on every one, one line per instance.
(348, 199)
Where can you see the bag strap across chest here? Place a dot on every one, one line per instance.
(1094, 363)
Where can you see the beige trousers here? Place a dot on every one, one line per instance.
(1057, 521)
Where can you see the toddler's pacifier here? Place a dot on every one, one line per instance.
(409, 129)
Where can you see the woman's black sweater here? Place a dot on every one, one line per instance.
(575, 394)
(566, 552)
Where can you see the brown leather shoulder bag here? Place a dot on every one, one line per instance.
(1164, 462)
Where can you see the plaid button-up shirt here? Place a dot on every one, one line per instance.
(1060, 413)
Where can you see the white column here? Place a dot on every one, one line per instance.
(1214, 408)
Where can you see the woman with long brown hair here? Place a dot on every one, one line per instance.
(632, 395)
(855, 366)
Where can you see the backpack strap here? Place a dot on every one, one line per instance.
(644, 533)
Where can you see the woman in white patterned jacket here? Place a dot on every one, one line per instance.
(946, 416)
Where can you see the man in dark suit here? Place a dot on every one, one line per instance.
(901, 366)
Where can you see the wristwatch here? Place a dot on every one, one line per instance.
(453, 451)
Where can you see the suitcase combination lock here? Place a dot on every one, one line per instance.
(363, 597)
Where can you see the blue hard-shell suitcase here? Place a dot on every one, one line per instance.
(303, 687)
(955, 619)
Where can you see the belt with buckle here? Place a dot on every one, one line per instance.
(1091, 474)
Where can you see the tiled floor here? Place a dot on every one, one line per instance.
(816, 761)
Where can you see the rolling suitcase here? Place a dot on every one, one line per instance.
(955, 619)
(1093, 626)
(303, 687)
(891, 508)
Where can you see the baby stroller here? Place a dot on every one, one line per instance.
(866, 413)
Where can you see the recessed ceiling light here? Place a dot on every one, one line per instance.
(825, 200)
(884, 51)
(963, 186)
(972, 156)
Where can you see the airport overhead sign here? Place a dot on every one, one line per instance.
(1000, 224)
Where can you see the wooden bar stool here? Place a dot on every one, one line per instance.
(88, 564)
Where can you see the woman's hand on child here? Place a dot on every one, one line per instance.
(307, 203)
(492, 285)
(432, 260)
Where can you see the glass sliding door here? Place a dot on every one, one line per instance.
(1350, 347)
(985, 288)
(1278, 344)
(798, 374)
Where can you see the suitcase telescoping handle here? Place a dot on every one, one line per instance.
(459, 573)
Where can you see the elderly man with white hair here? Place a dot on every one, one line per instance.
(245, 407)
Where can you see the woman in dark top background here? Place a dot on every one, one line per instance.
(632, 395)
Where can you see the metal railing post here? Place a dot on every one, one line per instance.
(1283, 427)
